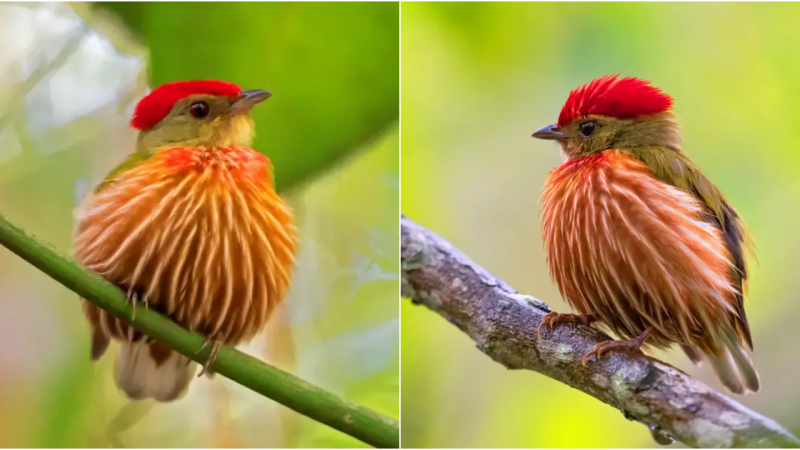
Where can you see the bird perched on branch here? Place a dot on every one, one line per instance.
(638, 238)
(189, 225)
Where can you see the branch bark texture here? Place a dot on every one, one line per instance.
(504, 323)
(362, 423)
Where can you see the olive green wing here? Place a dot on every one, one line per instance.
(129, 162)
(675, 168)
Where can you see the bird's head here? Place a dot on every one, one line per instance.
(614, 113)
(205, 113)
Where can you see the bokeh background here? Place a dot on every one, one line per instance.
(478, 79)
(70, 75)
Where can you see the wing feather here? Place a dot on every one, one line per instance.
(675, 168)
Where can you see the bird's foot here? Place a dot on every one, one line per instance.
(212, 357)
(133, 298)
(629, 346)
(553, 318)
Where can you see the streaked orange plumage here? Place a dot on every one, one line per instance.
(196, 232)
(203, 236)
(635, 251)
(638, 238)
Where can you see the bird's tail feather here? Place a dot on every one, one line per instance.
(747, 371)
(726, 371)
(152, 370)
(694, 354)
(733, 366)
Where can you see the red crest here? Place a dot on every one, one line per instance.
(157, 104)
(623, 98)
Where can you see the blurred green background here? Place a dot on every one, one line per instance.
(478, 79)
(70, 75)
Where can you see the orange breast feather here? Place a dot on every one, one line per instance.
(635, 251)
(200, 234)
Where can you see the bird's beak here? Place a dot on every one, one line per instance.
(550, 132)
(247, 99)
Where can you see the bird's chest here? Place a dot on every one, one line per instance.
(596, 227)
(204, 238)
(576, 204)
(572, 221)
(631, 249)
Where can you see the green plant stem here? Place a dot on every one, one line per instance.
(362, 423)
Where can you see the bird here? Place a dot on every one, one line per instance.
(638, 239)
(189, 225)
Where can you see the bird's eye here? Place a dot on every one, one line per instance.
(199, 110)
(588, 128)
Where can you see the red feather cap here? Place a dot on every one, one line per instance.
(157, 104)
(623, 98)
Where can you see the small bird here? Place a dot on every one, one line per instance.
(638, 238)
(189, 225)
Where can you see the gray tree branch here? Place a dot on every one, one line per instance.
(503, 323)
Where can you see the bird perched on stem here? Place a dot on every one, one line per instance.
(189, 225)
(638, 238)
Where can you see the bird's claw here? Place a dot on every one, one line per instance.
(598, 350)
(553, 318)
(629, 346)
(132, 297)
(546, 323)
(212, 357)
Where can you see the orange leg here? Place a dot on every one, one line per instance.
(632, 345)
(554, 318)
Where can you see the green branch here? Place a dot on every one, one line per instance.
(355, 420)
